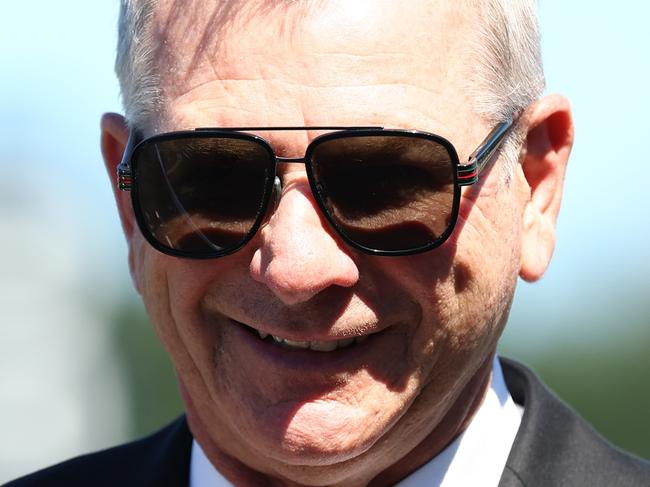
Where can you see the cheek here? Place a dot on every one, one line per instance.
(154, 275)
(487, 265)
(151, 278)
(488, 242)
(137, 251)
(174, 291)
(465, 287)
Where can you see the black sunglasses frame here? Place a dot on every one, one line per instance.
(464, 175)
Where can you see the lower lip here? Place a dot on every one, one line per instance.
(305, 359)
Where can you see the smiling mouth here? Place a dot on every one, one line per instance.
(315, 345)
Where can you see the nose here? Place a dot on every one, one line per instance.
(297, 256)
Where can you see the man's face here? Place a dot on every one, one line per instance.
(429, 322)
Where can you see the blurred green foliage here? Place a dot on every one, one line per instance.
(607, 383)
(148, 373)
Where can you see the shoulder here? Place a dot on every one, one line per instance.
(554, 446)
(159, 459)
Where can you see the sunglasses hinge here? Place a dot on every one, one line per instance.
(124, 178)
(468, 174)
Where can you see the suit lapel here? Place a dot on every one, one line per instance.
(167, 459)
(554, 446)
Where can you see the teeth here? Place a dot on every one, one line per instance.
(323, 346)
(297, 344)
(346, 343)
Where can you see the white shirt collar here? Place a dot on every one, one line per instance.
(476, 457)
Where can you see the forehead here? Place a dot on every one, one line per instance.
(312, 62)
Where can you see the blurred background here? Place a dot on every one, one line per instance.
(80, 368)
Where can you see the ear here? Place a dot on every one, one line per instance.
(114, 139)
(545, 154)
(115, 135)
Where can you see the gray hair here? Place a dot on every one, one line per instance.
(135, 64)
(506, 75)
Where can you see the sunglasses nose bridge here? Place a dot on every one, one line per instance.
(277, 183)
(290, 160)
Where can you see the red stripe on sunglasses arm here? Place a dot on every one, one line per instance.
(469, 173)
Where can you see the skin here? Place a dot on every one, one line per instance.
(387, 406)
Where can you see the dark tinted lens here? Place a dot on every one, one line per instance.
(201, 194)
(386, 192)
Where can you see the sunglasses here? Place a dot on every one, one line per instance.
(204, 193)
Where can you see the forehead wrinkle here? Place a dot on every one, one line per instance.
(284, 84)
(215, 41)
(345, 72)
(255, 102)
(194, 29)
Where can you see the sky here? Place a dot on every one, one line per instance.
(63, 258)
(596, 55)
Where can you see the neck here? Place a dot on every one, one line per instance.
(453, 423)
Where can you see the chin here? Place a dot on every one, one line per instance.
(318, 433)
(314, 460)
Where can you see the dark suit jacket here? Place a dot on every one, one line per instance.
(554, 447)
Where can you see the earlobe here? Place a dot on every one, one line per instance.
(548, 145)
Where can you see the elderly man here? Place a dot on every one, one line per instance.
(327, 204)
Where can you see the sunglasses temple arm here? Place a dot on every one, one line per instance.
(469, 173)
(124, 175)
